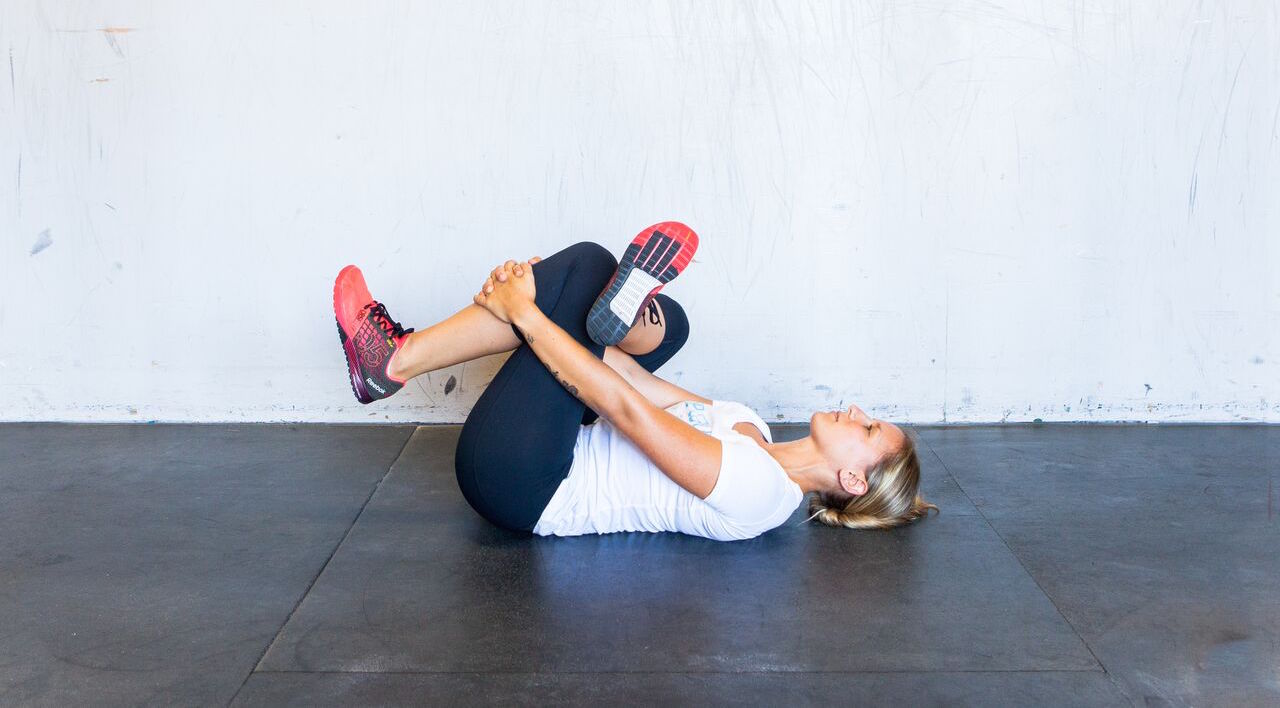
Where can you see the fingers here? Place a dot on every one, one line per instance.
(499, 274)
(503, 273)
(527, 267)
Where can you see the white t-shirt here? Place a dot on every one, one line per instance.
(612, 486)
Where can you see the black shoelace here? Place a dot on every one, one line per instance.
(654, 318)
(390, 326)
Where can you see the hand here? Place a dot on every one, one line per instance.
(508, 289)
(499, 274)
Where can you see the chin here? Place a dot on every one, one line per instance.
(815, 420)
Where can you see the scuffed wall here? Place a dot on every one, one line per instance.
(943, 211)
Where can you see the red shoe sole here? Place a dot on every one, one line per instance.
(649, 262)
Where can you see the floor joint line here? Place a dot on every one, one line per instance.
(1018, 558)
(673, 672)
(323, 566)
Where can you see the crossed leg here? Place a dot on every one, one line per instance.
(473, 332)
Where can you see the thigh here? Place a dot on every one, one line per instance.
(673, 339)
(517, 443)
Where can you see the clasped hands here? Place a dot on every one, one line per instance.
(508, 288)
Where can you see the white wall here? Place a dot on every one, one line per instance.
(944, 211)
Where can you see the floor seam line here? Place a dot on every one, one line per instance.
(323, 566)
(1018, 558)
(677, 672)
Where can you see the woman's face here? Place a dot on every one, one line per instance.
(853, 442)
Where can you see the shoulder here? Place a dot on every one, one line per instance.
(731, 415)
(751, 482)
(750, 430)
(754, 494)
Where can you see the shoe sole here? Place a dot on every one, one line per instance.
(631, 289)
(354, 376)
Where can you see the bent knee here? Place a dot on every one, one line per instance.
(594, 258)
(675, 321)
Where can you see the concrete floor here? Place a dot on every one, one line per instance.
(276, 564)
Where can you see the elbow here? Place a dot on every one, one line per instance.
(631, 410)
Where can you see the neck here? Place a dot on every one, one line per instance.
(803, 464)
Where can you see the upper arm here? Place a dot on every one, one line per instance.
(688, 456)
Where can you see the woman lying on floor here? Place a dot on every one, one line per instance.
(588, 333)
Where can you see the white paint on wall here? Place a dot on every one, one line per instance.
(953, 211)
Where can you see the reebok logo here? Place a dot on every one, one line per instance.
(376, 387)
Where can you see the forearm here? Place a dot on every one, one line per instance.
(586, 377)
(657, 390)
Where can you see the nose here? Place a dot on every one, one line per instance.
(856, 413)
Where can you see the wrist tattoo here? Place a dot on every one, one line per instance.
(555, 374)
(573, 390)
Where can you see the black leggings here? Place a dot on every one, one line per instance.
(517, 444)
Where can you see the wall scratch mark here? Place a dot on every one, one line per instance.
(1195, 174)
(1226, 109)
(43, 241)
(110, 33)
(425, 391)
(1191, 194)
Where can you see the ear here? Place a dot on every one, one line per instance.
(853, 482)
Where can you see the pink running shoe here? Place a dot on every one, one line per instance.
(369, 336)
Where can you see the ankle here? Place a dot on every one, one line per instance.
(400, 367)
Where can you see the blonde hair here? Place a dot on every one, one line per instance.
(892, 498)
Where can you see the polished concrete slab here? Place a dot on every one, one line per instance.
(267, 565)
(1161, 545)
(153, 564)
(422, 583)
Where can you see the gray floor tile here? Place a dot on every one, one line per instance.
(423, 583)
(1160, 544)
(155, 563)
(936, 484)
(1087, 688)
